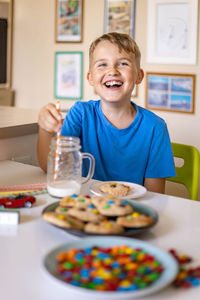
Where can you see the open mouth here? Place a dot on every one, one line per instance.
(113, 84)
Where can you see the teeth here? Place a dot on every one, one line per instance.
(112, 83)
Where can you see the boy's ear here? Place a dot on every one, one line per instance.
(140, 76)
(89, 78)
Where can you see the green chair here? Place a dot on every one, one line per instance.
(188, 174)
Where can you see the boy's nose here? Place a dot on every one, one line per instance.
(113, 70)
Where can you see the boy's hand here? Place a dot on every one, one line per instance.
(49, 118)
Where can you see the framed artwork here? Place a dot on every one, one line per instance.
(172, 31)
(120, 16)
(170, 92)
(68, 75)
(69, 21)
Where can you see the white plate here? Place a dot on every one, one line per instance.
(167, 276)
(136, 190)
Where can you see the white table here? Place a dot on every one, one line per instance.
(23, 247)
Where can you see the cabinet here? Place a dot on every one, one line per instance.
(18, 134)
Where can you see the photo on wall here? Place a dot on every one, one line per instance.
(170, 92)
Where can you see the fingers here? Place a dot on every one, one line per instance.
(49, 118)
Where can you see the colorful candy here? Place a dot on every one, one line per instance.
(187, 277)
(118, 268)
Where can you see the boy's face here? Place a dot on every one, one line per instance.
(113, 73)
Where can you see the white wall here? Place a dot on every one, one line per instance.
(33, 60)
(34, 48)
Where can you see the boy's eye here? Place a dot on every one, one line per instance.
(124, 63)
(102, 65)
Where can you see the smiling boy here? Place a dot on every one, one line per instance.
(128, 142)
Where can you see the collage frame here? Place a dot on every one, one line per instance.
(170, 92)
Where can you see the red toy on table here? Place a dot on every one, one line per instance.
(17, 201)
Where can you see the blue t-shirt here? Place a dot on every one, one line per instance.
(142, 150)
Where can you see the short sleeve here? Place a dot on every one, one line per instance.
(160, 161)
(73, 120)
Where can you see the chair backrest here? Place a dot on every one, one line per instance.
(188, 173)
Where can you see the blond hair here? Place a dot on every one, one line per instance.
(122, 40)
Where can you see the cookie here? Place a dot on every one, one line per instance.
(112, 207)
(62, 220)
(104, 227)
(115, 189)
(88, 214)
(76, 201)
(135, 220)
(97, 200)
(63, 210)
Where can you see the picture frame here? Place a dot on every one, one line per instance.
(69, 21)
(68, 75)
(170, 92)
(119, 16)
(172, 31)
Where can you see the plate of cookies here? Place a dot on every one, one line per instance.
(122, 189)
(84, 215)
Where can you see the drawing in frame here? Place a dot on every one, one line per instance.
(119, 16)
(68, 75)
(170, 92)
(172, 31)
(69, 21)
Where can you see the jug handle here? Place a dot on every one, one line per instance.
(91, 166)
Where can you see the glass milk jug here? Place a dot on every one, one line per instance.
(64, 167)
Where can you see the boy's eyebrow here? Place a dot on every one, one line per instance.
(105, 59)
(99, 60)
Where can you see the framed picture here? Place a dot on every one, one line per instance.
(172, 31)
(69, 21)
(170, 92)
(68, 75)
(120, 16)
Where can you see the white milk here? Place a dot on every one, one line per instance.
(64, 188)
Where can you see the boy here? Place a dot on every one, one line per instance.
(128, 142)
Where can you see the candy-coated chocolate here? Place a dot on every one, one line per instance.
(118, 268)
(187, 277)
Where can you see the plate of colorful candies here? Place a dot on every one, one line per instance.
(110, 268)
